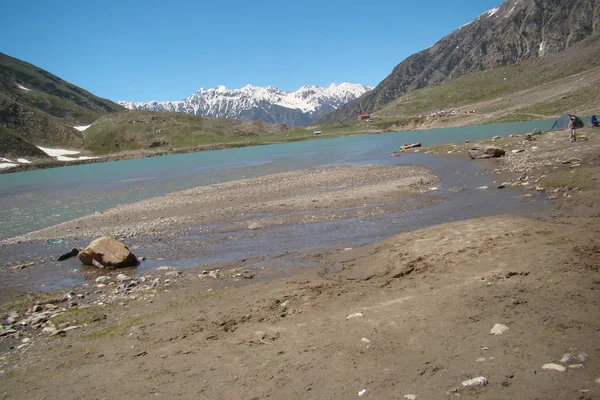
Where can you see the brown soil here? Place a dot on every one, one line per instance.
(427, 301)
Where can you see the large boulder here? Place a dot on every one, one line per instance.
(480, 151)
(107, 252)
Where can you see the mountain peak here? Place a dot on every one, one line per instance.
(270, 103)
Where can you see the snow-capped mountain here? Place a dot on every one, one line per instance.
(270, 104)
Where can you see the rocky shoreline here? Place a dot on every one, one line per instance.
(497, 307)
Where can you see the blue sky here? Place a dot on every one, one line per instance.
(161, 50)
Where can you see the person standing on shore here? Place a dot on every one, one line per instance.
(572, 137)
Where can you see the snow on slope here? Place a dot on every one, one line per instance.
(250, 101)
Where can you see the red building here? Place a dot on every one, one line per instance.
(364, 116)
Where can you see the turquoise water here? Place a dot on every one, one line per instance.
(36, 199)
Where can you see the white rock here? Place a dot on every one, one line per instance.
(553, 367)
(479, 381)
(481, 359)
(213, 274)
(582, 357)
(355, 315)
(123, 278)
(576, 366)
(518, 151)
(410, 396)
(567, 358)
(365, 340)
(498, 329)
(483, 188)
(362, 392)
(103, 279)
(597, 380)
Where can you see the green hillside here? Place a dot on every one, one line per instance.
(532, 89)
(42, 107)
(133, 130)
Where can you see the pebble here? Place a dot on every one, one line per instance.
(481, 359)
(498, 329)
(355, 315)
(123, 277)
(576, 366)
(567, 358)
(103, 279)
(410, 396)
(365, 340)
(213, 274)
(479, 381)
(553, 367)
(483, 188)
(362, 392)
(597, 380)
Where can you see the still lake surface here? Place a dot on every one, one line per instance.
(37, 199)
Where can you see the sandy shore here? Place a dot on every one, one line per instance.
(411, 315)
(332, 192)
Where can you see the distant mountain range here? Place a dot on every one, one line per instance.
(516, 30)
(270, 104)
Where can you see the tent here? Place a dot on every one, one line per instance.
(563, 122)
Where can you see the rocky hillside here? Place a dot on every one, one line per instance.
(270, 104)
(516, 30)
(39, 107)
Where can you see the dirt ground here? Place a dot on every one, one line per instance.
(408, 317)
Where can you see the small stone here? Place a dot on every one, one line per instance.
(12, 317)
(213, 274)
(582, 357)
(597, 380)
(123, 278)
(365, 340)
(103, 279)
(576, 366)
(498, 329)
(553, 367)
(479, 381)
(481, 359)
(355, 315)
(518, 151)
(410, 396)
(567, 358)
(248, 274)
(362, 392)
(483, 188)
(173, 273)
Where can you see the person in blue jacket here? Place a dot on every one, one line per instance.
(594, 120)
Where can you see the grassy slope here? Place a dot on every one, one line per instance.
(533, 89)
(15, 145)
(48, 110)
(138, 130)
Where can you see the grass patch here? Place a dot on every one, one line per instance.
(578, 178)
(79, 316)
(116, 329)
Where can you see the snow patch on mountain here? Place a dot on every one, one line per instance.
(254, 102)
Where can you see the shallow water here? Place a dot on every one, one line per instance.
(33, 200)
(37, 199)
